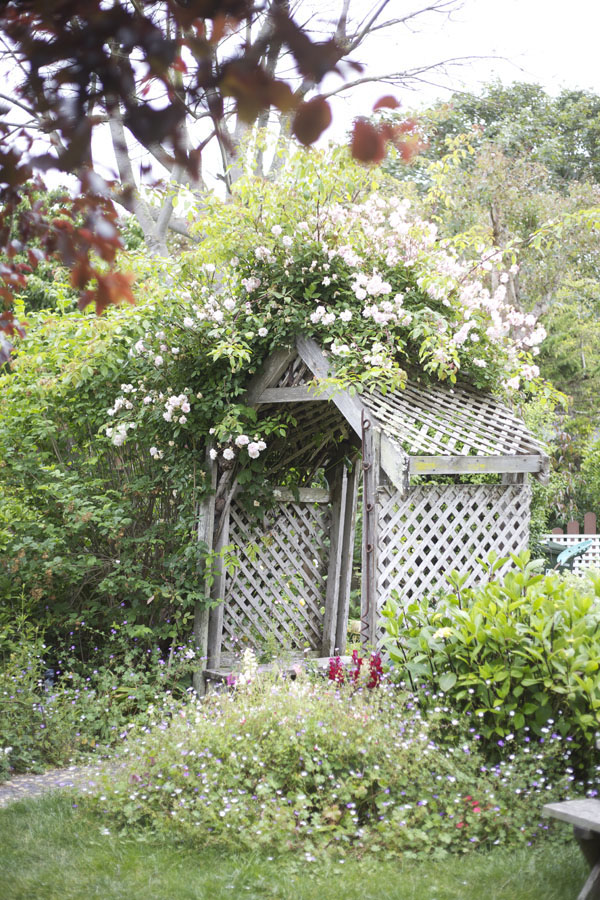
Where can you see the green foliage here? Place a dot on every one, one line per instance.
(84, 526)
(519, 652)
(561, 133)
(108, 424)
(307, 765)
(53, 709)
(518, 169)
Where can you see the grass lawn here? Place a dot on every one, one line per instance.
(52, 851)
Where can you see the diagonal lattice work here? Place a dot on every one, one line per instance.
(459, 421)
(439, 528)
(276, 596)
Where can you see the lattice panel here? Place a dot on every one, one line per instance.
(443, 527)
(590, 559)
(276, 595)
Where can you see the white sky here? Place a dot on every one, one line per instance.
(551, 42)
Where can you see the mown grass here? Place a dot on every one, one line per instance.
(51, 850)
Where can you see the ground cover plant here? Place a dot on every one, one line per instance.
(311, 765)
(52, 848)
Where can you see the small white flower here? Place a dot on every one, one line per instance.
(276, 230)
(253, 450)
(228, 453)
(158, 361)
(182, 420)
(262, 332)
(242, 440)
(212, 453)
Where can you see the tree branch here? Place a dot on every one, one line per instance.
(399, 77)
(139, 207)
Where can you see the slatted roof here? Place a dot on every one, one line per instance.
(424, 429)
(459, 421)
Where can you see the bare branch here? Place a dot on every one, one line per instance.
(396, 78)
(370, 23)
(342, 23)
(139, 206)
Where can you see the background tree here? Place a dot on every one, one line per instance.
(518, 169)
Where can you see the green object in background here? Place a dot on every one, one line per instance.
(563, 558)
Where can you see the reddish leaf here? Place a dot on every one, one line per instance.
(311, 120)
(368, 143)
(387, 102)
(112, 288)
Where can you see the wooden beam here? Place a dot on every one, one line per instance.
(215, 620)
(302, 393)
(338, 510)
(272, 369)
(347, 558)
(299, 495)
(303, 495)
(458, 465)
(205, 534)
(368, 602)
(393, 458)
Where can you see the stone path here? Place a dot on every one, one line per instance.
(85, 779)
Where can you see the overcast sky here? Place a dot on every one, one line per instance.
(552, 42)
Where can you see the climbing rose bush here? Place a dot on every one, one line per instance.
(370, 282)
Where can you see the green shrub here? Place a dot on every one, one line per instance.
(52, 710)
(517, 652)
(303, 765)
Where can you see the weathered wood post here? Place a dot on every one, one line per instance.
(371, 444)
(339, 488)
(347, 557)
(205, 531)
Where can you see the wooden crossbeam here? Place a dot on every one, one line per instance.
(458, 465)
(301, 393)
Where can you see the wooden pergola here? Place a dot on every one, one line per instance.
(292, 585)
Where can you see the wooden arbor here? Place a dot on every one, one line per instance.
(292, 585)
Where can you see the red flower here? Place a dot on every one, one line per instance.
(336, 670)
